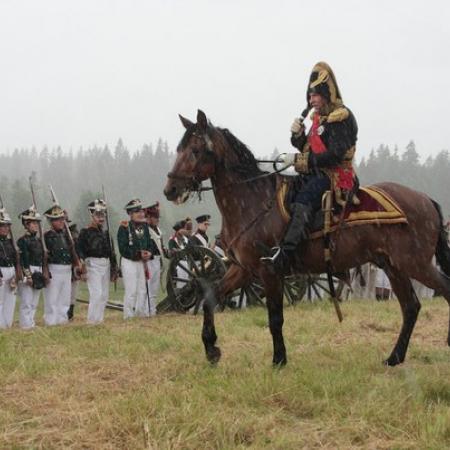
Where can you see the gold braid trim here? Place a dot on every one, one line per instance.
(338, 115)
(301, 162)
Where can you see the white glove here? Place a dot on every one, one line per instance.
(297, 126)
(287, 158)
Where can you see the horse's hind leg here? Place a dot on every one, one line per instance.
(434, 279)
(410, 306)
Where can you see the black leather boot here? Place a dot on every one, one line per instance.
(297, 232)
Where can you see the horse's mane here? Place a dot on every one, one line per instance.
(247, 163)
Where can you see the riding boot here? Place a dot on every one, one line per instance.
(297, 233)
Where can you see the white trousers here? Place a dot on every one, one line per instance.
(57, 294)
(7, 297)
(98, 277)
(154, 268)
(381, 280)
(135, 295)
(29, 299)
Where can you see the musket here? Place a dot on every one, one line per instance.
(73, 253)
(112, 250)
(45, 270)
(18, 267)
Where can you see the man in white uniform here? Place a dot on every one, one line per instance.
(136, 249)
(7, 272)
(31, 260)
(155, 265)
(57, 293)
(95, 251)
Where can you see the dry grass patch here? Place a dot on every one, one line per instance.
(146, 384)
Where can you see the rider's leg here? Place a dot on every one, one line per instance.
(306, 203)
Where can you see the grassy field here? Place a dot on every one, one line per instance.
(146, 384)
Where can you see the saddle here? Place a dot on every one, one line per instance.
(374, 206)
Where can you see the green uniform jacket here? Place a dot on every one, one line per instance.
(58, 247)
(31, 251)
(140, 240)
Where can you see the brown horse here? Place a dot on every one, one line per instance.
(245, 197)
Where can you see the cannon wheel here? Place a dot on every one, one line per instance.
(187, 269)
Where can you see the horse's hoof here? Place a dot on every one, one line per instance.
(213, 355)
(392, 361)
(279, 362)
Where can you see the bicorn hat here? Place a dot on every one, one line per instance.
(323, 82)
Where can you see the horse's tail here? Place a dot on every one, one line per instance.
(442, 248)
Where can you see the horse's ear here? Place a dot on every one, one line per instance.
(186, 122)
(202, 121)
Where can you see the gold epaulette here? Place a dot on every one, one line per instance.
(124, 223)
(338, 115)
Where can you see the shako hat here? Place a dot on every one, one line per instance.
(5, 218)
(55, 212)
(30, 214)
(133, 206)
(179, 225)
(152, 210)
(97, 205)
(203, 218)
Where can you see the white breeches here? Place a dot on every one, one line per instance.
(7, 297)
(135, 295)
(154, 268)
(57, 294)
(98, 277)
(29, 300)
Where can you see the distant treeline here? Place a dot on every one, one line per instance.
(77, 178)
(431, 175)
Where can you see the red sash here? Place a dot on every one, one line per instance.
(345, 177)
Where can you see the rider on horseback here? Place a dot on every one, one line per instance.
(324, 161)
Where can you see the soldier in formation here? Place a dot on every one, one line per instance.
(136, 248)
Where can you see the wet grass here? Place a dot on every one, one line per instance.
(146, 384)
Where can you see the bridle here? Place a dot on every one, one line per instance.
(195, 185)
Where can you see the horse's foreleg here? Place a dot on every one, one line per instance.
(274, 295)
(233, 278)
(410, 306)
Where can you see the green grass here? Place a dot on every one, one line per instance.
(146, 384)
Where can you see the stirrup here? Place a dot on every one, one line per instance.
(276, 253)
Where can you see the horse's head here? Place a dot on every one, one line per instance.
(195, 160)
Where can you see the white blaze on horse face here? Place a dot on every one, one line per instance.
(182, 198)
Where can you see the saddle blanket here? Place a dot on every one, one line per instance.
(375, 206)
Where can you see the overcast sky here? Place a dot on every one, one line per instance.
(84, 72)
